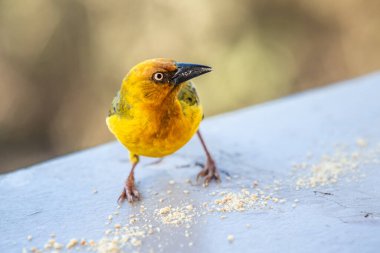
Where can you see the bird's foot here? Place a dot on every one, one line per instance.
(209, 172)
(129, 193)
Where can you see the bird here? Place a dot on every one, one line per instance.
(156, 112)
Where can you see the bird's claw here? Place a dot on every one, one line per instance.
(209, 172)
(129, 193)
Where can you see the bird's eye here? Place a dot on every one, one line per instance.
(158, 76)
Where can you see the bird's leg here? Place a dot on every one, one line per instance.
(129, 191)
(209, 172)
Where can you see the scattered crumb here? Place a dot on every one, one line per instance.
(133, 220)
(241, 201)
(57, 246)
(34, 250)
(360, 142)
(230, 238)
(49, 244)
(175, 215)
(130, 234)
(29, 238)
(135, 242)
(342, 163)
(72, 243)
(165, 210)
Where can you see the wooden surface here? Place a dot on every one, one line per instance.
(276, 144)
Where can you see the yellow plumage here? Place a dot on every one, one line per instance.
(156, 112)
(156, 130)
(156, 126)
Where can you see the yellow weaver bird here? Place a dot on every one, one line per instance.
(156, 112)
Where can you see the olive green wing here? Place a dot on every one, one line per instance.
(188, 95)
(119, 106)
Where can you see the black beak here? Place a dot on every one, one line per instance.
(187, 71)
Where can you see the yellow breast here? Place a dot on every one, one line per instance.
(156, 131)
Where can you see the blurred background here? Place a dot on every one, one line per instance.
(61, 62)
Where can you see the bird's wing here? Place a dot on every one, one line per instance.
(188, 96)
(119, 106)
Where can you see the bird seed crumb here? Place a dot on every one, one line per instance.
(57, 246)
(230, 238)
(71, 243)
(360, 142)
(175, 215)
(135, 242)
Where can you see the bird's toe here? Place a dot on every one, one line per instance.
(202, 173)
(209, 173)
(122, 197)
(133, 195)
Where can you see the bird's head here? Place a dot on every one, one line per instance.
(158, 79)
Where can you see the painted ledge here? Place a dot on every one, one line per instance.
(275, 148)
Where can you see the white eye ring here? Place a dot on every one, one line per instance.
(158, 76)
